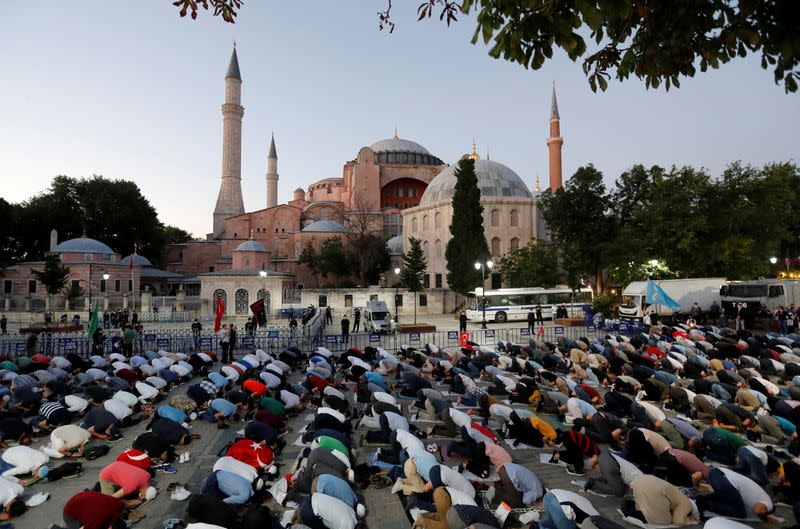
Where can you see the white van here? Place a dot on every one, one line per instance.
(376, 316)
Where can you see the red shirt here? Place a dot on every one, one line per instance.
(485, 431)
(94, 510)
(127, 375)
(318, 382)
(136, 458)
(255, 454)
(254, 386)
(128, 477)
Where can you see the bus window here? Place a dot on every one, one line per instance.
(775, 291)
(723, 290)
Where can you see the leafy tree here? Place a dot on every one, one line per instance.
(468, 243)
(175, 235)
(112, 211)
(580, 221)
(658, 42)
(535, 264)
(54, 277)
(310, 259)
(8, 243)
(72, 293)
(632, 271)
(334, 259)
(366, 243)
(412, 275)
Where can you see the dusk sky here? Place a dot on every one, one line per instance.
(130, 90)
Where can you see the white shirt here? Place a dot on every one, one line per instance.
(270, 379)
(157, 382)
(289, 399)
(146, 391)
(760, 454)
(24, 459)
(459, 417)
(382, 396)
(653, 411)
(750, 491)
(360, 363)
(9, 491)
(75, 403)
(501, 410)
(454, 479)
(628, 471)
(237, 467)
(129, 399)
(567, 496)
(118, 408)
(335, 513)
(458, 497)
(408, 440)
(332, 391)
(330, 411)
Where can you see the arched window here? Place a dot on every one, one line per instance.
(424, 223)
(513, 218)
(426, 249)
(247, 261)
(242, 302)
(414, 225)
(496, 247)
(495, 218)
(437, 249)
(323, 214)
(514, 243)
(223, 296)
(264, 294)
(437, 220)
(297, 249)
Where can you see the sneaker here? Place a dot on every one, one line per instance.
(167, 469)
(115, 437)
(574, 472)
(398, 486)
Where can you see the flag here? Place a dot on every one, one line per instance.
(220, 312)
(657, 296)
(260, 312)
(93, 321)
(541, 331)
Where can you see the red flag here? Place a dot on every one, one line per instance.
(541, 331)
(220, 312)
(260, 312)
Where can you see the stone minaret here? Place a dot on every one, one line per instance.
(229, 200)
(554, 144)
(272, 175)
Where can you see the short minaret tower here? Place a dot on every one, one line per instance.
(229, 200)
(554, 144)
(272, 175)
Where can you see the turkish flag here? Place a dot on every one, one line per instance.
(260, 312)
(463, 339)
(541, 331)
(220, 312)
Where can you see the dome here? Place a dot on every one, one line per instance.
(495, 180)
(395, 245)
(251, 246)
(138, 260)
(323, 226)
(398, 145)
(83, 245)
(299, 190)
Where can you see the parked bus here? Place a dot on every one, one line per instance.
(515, 303)
(757, 294)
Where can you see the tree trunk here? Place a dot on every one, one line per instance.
(415, 308)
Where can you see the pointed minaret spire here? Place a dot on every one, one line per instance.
(538, 189)
(474, 154)
(272, 175)
(395, 133)
(554, 104)
(233, 65)
(554, 144)
(229, 199)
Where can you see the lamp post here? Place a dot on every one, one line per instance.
(396, 293)
(263, 274)
(480, 265)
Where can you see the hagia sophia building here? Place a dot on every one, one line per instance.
(407, 189)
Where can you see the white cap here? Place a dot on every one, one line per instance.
(272, 470)
(259, 484)
(151, 493)
(192, 416)
(360, 510)
(185, 425)
(351, 475)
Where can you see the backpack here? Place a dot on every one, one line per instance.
(65, 470)
(96, 451)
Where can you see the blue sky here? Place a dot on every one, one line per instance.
(130, 90)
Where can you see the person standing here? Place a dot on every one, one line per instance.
(531, 321)
(345, 329)
(224, 342)
(128, 336)
(106, 319)
(356, 319)
(197, 328)
(723, 320)
(328, 315)
(539, 318)
(292, 325)
(462, 322)
(3, 324)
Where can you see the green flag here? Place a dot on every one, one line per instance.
(93, 321)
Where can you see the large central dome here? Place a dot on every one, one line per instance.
(403, 152)
(495, 180)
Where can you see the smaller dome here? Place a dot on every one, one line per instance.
(395, 245)
(325, 226)
(138, 260)
(83, 245)
(251, 246)
(299, 190)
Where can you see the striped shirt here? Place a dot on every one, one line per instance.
(48, 408)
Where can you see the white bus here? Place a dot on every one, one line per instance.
(515, 303)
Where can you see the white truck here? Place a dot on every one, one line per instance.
(376, 318)
(704, 291)
(759, 293)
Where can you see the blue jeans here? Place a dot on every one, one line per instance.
(555, 518)
(726, 499)
(748, 464)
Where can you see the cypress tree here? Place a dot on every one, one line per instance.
(415, 265)
(468, 243)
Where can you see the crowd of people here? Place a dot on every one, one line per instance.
(683, 425)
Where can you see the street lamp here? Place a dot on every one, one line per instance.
(396, 293)
(480, 265)
(773, 260)
(263, 274)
